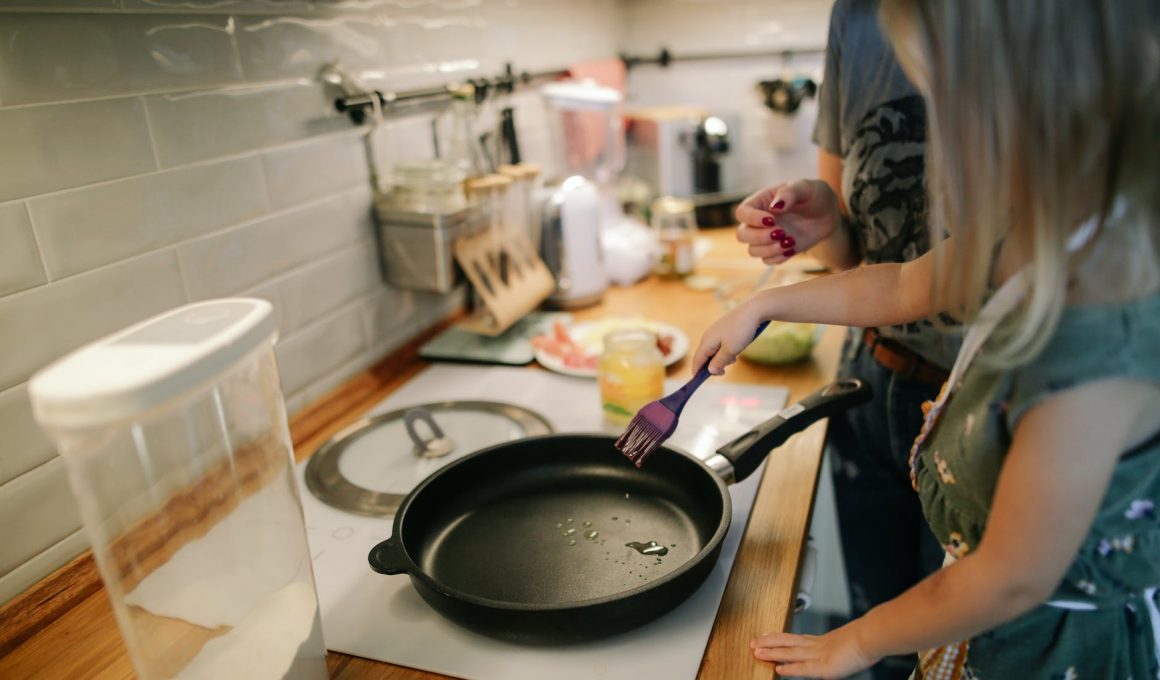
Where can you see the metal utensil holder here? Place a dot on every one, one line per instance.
(417, 250)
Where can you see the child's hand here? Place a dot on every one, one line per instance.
(836, 654)
(786, 219)
(725, 339)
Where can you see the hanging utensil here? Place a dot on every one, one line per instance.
(508, 135)
(508, 150)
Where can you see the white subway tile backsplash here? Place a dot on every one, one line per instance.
(549, 34)
(304, 173)
(406, 140)
(20, 265)
(219, 6)
(155, 151)
(317, 350)
(105, 223)
(46, 562)
(45, 148)
(230, 261)
(390, 318)
(272, 48)
(42, 324)
(387, 313)
(317, 389)
(37, 510)
(320, 288)
(426, 47)
(195, 126)
(393, 315)
(52, 57)
(51, 5)
(685, 26)
(25, 444)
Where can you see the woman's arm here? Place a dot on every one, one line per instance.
(872, 295)
(1051, 485)
(837, 252)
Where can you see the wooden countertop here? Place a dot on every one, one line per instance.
(64, 628)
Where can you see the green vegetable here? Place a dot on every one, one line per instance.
(782, 343)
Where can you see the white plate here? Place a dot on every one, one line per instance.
(590, 335)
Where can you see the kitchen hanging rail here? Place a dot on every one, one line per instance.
(359, 105)
(664, 57)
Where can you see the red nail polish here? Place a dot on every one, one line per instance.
(767, 221)
(788, 242)
(788, 252)
(779, 204)
(777, 234)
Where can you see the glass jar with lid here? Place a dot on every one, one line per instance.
(175, 440)
(674, 220)
(631, 374)
(434, 187)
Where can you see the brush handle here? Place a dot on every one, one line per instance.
(676, 401)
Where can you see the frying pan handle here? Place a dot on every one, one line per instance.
(747, 451)
(389, 557)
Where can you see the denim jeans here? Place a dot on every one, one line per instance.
(886, 543)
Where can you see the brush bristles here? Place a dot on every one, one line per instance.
(639, 440)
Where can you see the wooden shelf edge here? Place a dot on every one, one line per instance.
(47, 600)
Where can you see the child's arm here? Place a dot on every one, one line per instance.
(869, 296)
(1051, 484)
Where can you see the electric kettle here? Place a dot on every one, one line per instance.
(570, 243)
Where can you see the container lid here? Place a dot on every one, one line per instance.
(429, 174)
(150, 363)
(370, 467)
(486, 183)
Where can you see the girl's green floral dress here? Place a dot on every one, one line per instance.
(1103, 621)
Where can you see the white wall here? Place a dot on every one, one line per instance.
(155, 152)
(774, 147)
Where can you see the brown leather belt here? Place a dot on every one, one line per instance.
(901, 361)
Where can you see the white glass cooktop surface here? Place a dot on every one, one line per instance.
(382, 617)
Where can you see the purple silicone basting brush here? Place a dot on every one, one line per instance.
(657, 420)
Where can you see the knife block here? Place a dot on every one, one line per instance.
(503, 268)
(528, 280)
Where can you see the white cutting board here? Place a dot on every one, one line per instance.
(382, 617)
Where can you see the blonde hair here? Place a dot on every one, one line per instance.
(1041, 114)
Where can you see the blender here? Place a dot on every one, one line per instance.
(581, 201)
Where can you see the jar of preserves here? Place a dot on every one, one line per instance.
(675, 223)
(631, 374)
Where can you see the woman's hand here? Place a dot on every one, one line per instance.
(725, 339)
(836, 654)
(788, 218)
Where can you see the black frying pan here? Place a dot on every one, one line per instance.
(500, 541)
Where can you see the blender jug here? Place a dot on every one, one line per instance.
(588, 142)
(175, 439)
(585, 126)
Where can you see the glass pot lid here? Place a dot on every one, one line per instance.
(371, 466)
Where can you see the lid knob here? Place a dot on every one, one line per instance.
(435, 447)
